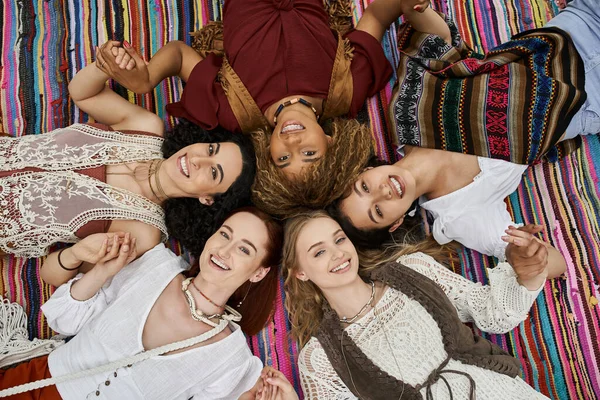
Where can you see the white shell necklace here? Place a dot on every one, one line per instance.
(197, 315)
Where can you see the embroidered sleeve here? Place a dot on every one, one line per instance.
(67, 315)
(317, 375)
(496, 308)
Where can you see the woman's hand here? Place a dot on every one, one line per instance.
(527, 255)
(95, 247)
(121, 253)
(408, 6)
(271, 385)
(118, 255)
(124, 65)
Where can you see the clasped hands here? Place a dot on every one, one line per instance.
(527, 255)
(108, 252)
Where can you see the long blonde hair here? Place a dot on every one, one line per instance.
(304, 299)
(325, 181)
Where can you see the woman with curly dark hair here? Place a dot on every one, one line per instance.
(65, 185)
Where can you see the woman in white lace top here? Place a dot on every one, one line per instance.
(397, 331)
(116, 312)
(121, 176)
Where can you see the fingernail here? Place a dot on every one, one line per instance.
(126, 44)
(505, 237)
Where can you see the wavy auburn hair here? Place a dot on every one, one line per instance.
(304, 299)
(323, 182)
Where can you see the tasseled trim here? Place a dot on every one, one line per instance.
(348, 49)
(340, 14)
(209, 39)
(15, 346)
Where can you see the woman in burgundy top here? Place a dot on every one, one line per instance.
(284, 52)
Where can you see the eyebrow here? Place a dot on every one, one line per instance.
(217, 149)
(227, 227)
(249, 243)
(283, 165)
(314, 245)
(320, 243)
(221, 172)
(307, 160)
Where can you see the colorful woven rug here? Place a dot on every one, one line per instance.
(43, 43)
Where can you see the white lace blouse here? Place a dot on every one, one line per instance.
(402, 338)
(108, 327)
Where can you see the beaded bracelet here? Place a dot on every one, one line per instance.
(65, 268)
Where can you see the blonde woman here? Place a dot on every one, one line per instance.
(396, 331)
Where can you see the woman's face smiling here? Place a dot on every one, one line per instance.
(325, 255)
(234, 253)
(297, 141)
(203, 169)
(380, 197)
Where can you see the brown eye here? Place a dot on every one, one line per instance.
(214, 173)
(365, 187)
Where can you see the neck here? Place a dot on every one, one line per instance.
(425, 167)
(349, 299)
(316, 102)
(217, 295)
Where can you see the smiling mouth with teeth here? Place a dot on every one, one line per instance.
(219, 264)
(341, 266)
(397, 186)
(183, 165)
(292, 128)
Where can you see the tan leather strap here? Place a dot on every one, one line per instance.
(341, 89)
(245, 109)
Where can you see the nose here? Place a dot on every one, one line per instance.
(196, 161)
(224, 252)
(292, 138)
(385, 191)
(337, 254)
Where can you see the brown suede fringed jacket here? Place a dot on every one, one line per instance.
(369, 382)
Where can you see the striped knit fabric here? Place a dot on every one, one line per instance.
(45, 42)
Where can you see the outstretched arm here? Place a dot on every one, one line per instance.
(89, 92)
(380, 14)
(173, 59)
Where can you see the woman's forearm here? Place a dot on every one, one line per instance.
(173, 59)
(88, 82)
(51, 271)
(86, 287)
(429, 21)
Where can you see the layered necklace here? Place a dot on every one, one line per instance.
(369, 304)
(229, 313)
(153, 170)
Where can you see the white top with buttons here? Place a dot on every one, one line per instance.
(109, 326)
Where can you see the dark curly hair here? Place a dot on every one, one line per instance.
(189, 221)
(409, 232)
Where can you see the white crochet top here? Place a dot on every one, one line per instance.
(48, 204)
(109, 326)
(402, 338)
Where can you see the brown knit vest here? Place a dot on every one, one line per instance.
(368, 382)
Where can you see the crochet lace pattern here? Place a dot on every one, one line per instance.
(49, 202)
(413, 338)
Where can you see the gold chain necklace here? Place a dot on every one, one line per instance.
(198, 315)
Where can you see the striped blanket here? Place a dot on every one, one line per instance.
(43, 44)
